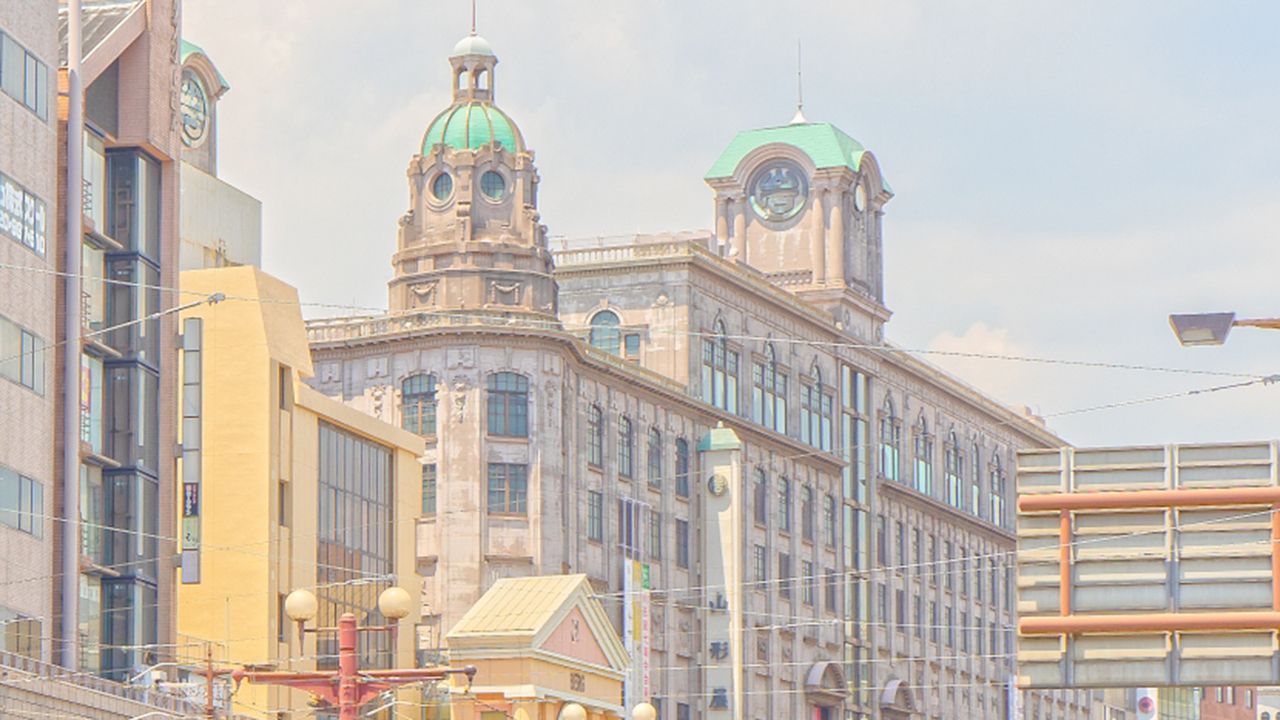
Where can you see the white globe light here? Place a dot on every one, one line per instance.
(394, 603)
(301, 605)
(573, 711)
(644, 711)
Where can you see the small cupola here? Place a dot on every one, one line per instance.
(473, 61)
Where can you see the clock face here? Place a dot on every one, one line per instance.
(195, 110)
(779, 191)
(718, 485)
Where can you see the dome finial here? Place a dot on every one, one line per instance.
(799, 118)
(473, 18)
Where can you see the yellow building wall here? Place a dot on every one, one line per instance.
(250, 445)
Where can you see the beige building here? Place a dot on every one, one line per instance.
(839, 547)
(286, 489)
(28, 321)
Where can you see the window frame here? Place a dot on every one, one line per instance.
(595, 437)
(514, 502)
(422, 401)
(508, 407)
(626, 448)
(769, 391)
(606, 335)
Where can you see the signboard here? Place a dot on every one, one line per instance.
(1148, 566)
(23, 216)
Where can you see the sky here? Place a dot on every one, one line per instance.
(1066, 173)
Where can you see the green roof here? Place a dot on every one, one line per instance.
(824, 143)
(720, 438)
(470, 126)
(187, 49)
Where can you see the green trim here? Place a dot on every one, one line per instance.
(720, 438)
(825, 144)
(186, 49)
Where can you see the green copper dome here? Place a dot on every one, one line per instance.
(470, 125)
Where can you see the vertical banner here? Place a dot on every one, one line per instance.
(628, 631)
(645, 597)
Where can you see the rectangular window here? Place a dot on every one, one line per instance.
(682, 467)
(950, 568)
(899, 540)
(978, 577)
(806, 513)
(900, 609)
(629, 527)
(949, 614)
(761, 558)
(286, 386)
(964, 631)
(595, 516)
(784, 504)
(508, 488)
(917, 549)
(934, 631)
(418, 404)
(769, 394)
(919, 616)
(21, 634)
(282, 503)
(682, 543)
(682, 711)
(784, 575)
(595, 436)
(815, 416)
(508, 405)
(655, 535)
(720, 372)
(655, 458)
(282, 620)
(808, 583)
(830, 589)
(24, 77)
(22, 356)
(429, 492)
(626, 443)
(829, 520)
(882, 542)
(21, 503)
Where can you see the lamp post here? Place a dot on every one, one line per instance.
(1212, 328)
(349, 687)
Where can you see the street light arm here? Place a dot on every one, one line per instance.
(1269, 323)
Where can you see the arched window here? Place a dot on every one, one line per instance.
(784, 504)
(806, 513)
(890, 441)
(508, 404)
(997, 489)
(815, 412)
(769, 392)
(604, 332)
(655, 458)
(719, 370)
(952, 469)
(761, 498)
(418, 404)
(595, 436)
(924, 456)
(975, 487)
(682, 467)
(626, 448)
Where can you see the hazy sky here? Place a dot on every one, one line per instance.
(1067, 173)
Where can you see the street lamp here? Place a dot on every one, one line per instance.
(644, 711)
(353, 687)
(1212, 328)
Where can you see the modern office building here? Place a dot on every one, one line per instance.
(709, 425)
(284, 489)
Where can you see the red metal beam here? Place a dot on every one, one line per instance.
(1137, 499)
(1161, 622)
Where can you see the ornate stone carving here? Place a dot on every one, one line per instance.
(460, 400)
(425, 292)
(464, 357)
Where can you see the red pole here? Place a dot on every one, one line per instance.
(348, 690)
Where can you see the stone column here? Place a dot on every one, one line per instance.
(817, 235)
(836, 241)
(739, 242)
(722, 223)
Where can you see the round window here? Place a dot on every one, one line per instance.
(442, 188)
(860, 197)
(492, 185)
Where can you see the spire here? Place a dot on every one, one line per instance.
(799, 118)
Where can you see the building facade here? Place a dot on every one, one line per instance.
(284, 489)
(860, 564)
(28, 322)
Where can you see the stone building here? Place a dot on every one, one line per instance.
(838, 547)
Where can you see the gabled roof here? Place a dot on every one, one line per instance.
(99, 19)
(523, 612)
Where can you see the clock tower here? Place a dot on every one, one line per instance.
(802, 203)
(471, 241)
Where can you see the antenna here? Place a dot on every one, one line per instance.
(799, 118)
(473, 17)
